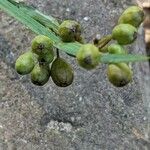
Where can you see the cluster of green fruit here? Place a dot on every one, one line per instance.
(40, 62)
(124, 33)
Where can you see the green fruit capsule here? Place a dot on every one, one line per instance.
(25, 63)
(124, 34)
(70, 31)
(116, 49)
(88, 56)
(133, 15)
(40, 74)
(46, 58)
(41, 45)
(119, 74)
(62, 73)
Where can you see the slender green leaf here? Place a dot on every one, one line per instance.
(71, 48)
(116, 58)
(27, 20)
(47, 21)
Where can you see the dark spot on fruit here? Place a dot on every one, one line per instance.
(41, 47)
(88, 60)
(73, 29)
(123, 82)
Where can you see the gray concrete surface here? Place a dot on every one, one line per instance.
(91, 114)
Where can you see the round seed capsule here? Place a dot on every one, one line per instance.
(133, 15)
(25, 63)
(70, 31)
(116, 49)
(62, 73)
(41, 45)
(124, 34)
(119, 74)
(88, 56)
(40, 74)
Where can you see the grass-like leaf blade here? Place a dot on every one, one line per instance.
(115, 58)
(46, 21)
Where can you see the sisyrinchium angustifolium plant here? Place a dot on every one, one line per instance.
(40, 60)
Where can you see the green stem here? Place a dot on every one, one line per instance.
(100, 43)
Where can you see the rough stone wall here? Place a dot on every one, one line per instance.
(91, 114)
